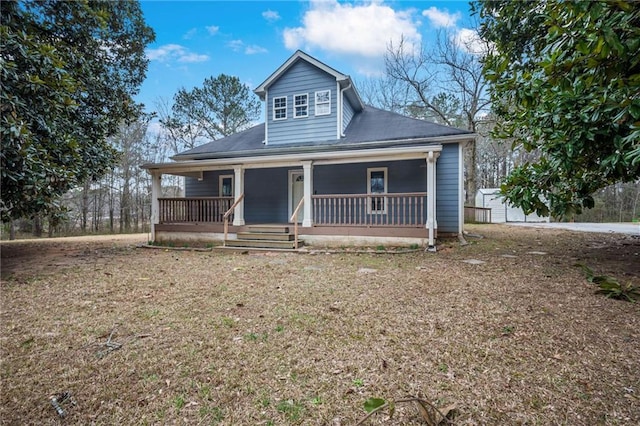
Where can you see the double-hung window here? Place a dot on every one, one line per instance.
(301, 105)
(323, 102)
(280, 108)
(226, 186)
(376, 189)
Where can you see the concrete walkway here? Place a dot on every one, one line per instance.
(627, 228)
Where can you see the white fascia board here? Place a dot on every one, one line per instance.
(260, 90)
(319, 149)
(294, 160)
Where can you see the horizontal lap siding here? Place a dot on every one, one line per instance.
(209, 186)
(402, 177)
(299, 79)
(448, 191)
(347, 114)
(266, 194)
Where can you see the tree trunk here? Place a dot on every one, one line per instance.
(37, 226)
(84, 207)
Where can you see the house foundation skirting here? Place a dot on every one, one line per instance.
(317, 235)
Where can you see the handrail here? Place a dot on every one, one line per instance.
(294, 219)
(226, 217)
(385, 194)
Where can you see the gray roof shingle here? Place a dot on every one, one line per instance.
(369, 125)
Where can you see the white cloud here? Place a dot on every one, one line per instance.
(193, 57)
(174, 52)
(236, 45)
(470, 41)
(190, 34)
(254, 48)
(361, 30)
(441, 18)
(213, 29)
(271, 16)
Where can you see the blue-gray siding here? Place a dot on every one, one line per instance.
(403, 176)
(302, 78)
(266, 195)
(209, 186)
(347, 114)
(447, 201)
(267, 190)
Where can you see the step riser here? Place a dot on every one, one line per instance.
(262, 244)
(265, 229)
(262, 236)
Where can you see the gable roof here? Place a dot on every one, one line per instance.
(343, 79)
(372, 127)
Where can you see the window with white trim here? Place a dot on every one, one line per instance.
(301, 105)
(280, 108)
(376, 188)
(226, 186)
(323, 102)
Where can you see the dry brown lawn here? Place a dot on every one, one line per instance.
(283, 339)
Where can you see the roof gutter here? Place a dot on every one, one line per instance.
(329, 157)
(329, 147)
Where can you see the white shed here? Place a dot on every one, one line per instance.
(502, 212)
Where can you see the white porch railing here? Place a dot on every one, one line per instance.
(393, 210)
(390, 210)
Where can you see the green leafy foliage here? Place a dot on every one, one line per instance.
(373, 404)
(610, 286)
(564, 82)
(221, 107)
(69, 71)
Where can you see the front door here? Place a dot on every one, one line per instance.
(296, 192)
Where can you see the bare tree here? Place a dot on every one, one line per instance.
(446, 85)
(386, 93)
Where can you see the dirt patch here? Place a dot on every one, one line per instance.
(39, 255)
(282, 338)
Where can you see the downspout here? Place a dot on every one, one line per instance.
(431, 206)
(156, 190)
(341, 118)
(266, 118)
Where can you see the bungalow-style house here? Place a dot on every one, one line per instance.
(323, 168)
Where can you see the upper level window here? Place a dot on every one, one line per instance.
(376, 188)
(280, 108)
(301, 105)
(323, 102)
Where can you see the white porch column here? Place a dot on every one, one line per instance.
(432, 223)
(156, 190)
(307, 167)
(238, 217)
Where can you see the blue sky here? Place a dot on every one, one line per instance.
(251, 39)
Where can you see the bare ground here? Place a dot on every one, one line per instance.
(280, 338)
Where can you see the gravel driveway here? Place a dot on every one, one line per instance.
(627, 228)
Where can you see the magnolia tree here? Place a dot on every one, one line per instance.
(69, 70)
(565, 82)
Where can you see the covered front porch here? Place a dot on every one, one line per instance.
(343, 200)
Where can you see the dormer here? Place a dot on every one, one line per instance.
(307, 101)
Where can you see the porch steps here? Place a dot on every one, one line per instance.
(265, 236)
(272, 237)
